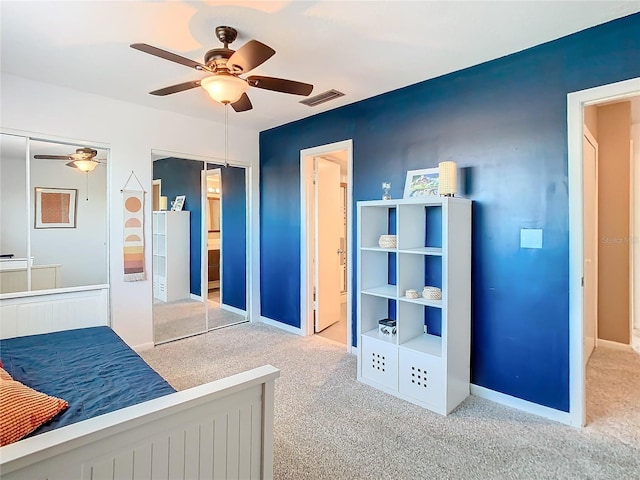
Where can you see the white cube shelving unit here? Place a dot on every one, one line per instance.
(171, 255)
(433, 248)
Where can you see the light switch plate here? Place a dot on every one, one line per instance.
(530, 238)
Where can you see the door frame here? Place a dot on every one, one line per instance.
(576, 101)
(592, 140)
(306, 267)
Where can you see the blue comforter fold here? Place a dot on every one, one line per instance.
(91, 368)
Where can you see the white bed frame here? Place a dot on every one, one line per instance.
(223, 429)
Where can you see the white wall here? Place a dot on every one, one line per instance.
(13, 198)
(131, 132)
(82, 250)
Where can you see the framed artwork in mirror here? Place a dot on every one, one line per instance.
(55, 207)
(178, 203)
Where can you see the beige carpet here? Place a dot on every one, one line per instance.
(330, 426)
(613, 395)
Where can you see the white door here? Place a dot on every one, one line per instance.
(327, 249)
(590, 243)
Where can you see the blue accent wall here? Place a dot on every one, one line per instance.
(234, 237)
(182, 177)
(505, 123)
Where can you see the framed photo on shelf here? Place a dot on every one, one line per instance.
(421, 183)
(55, 207)
(178, 203)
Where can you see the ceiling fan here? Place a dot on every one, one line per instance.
(224, 84)
(83, 159)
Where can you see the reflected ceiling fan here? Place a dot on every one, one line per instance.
(83, 159)
(225, 66)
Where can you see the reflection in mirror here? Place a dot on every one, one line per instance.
(14, 225)
(179, 309)
(226, 246)
(212, 283)
(57, 218)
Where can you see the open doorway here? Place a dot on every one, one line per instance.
(602, 209)
(326, 186)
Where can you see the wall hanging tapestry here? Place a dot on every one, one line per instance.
(133, 239)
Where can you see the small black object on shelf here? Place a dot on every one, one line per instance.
(387, 326)
(387, 322)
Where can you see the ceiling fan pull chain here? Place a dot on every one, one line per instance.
(87, 192)
(226, 135)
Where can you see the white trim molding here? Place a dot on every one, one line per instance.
(143, 346)
(283, 326)
(236, 310)
(306, 289)
(520, 404)
(576, 102)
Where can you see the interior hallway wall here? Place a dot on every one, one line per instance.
(614, 135)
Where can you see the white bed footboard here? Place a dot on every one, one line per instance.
(223, 429)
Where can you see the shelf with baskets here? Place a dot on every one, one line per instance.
(403, 247)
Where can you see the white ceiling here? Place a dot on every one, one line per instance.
(361, 48)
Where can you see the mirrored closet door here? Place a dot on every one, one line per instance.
(226, 213)
(198, 284)
(53, 215)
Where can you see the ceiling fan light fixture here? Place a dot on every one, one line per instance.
(84, 165)
(224, 88)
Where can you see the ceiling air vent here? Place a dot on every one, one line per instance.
(321, 98)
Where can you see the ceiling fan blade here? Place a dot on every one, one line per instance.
(280, 85)
(52, 157)
(180, 87)
(249, 56)
(243, 104)
(172, 57)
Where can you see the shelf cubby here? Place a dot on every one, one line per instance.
(380, 220)
(377, 275)
(373, 309)
(420, 226)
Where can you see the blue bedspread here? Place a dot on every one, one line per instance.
(91, 368)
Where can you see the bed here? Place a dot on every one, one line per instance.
(132, 424)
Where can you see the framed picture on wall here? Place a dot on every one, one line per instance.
(55, 207)
(421, 183)
(178, 203)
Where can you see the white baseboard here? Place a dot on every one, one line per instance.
(142, 347)
(615, 345)
(354, 351)
(196, 297)
(231, 309)
(520, 404)
(635, 340)
(283, 326)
